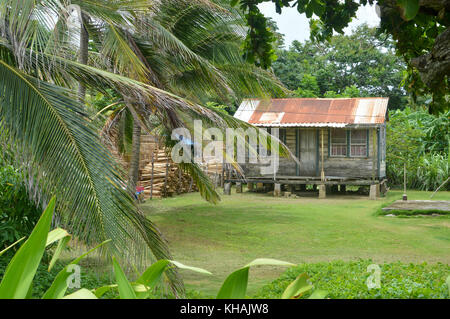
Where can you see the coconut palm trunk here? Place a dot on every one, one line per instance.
(133, 172)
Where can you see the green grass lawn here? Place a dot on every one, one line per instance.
(242, 227)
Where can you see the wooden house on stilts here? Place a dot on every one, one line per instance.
(337, 141)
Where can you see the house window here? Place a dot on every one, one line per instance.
(338, 141)
(358, 143)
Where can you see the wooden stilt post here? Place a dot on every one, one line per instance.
(223, 173)
(165, 177)
(179, 180)
(374, 161)
(322, 174)
(151, 180)
(405, 197)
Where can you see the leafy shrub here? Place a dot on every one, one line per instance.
(433, 170)
(18, 214)
(421, 141)
(348, 280)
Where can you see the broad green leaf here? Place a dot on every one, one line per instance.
(100, 291)
(309, 10)
(61, 245)
(153, 273)
(410, 8)
(318, 7)
(21, 270)
(318, 294)
(81, 294)
(59, 285)
(55, 235)
(268, 262)
(235, 286)
(140, 290)
(30, 292)
(126, 291)
(196, 269)
(12, 245)
(298, 287)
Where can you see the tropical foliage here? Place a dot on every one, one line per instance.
(18, 214)
(421, 141)
(79, 79)
(420, 30)
(154, 58)
(193, 51)
(17, 281)
(361, 64)
(348, 280)
(48, 133)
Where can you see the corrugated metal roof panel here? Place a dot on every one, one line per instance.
(316, 124)
(313, 112)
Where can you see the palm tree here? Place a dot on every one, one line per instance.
(46, 127)
(192, 49)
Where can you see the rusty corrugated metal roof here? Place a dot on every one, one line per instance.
(313, 112)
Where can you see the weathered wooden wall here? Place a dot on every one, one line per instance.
(348, 167)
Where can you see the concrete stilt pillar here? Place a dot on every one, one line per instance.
(238, 187)
(250, 187)
(314, 187)
(322, 191)
(277, 190)
(374, 191)
(227, 189)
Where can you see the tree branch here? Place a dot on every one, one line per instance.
(435, 66)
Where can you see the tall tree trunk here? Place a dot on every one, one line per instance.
(83, 53)
(133, 172)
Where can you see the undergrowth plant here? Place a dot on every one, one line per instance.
(17, 281)
(18, 214)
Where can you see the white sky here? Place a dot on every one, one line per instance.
(295, 26)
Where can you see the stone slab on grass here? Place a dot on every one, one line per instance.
(419, 205)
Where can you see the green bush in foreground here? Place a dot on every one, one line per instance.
(348, 280)
(18, 214)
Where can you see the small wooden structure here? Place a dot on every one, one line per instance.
(161, 177)
(336, 141)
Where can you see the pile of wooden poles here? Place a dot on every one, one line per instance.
(161, 177)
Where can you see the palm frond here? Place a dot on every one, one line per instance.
(66, 159)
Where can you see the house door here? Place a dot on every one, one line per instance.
(307, 155)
